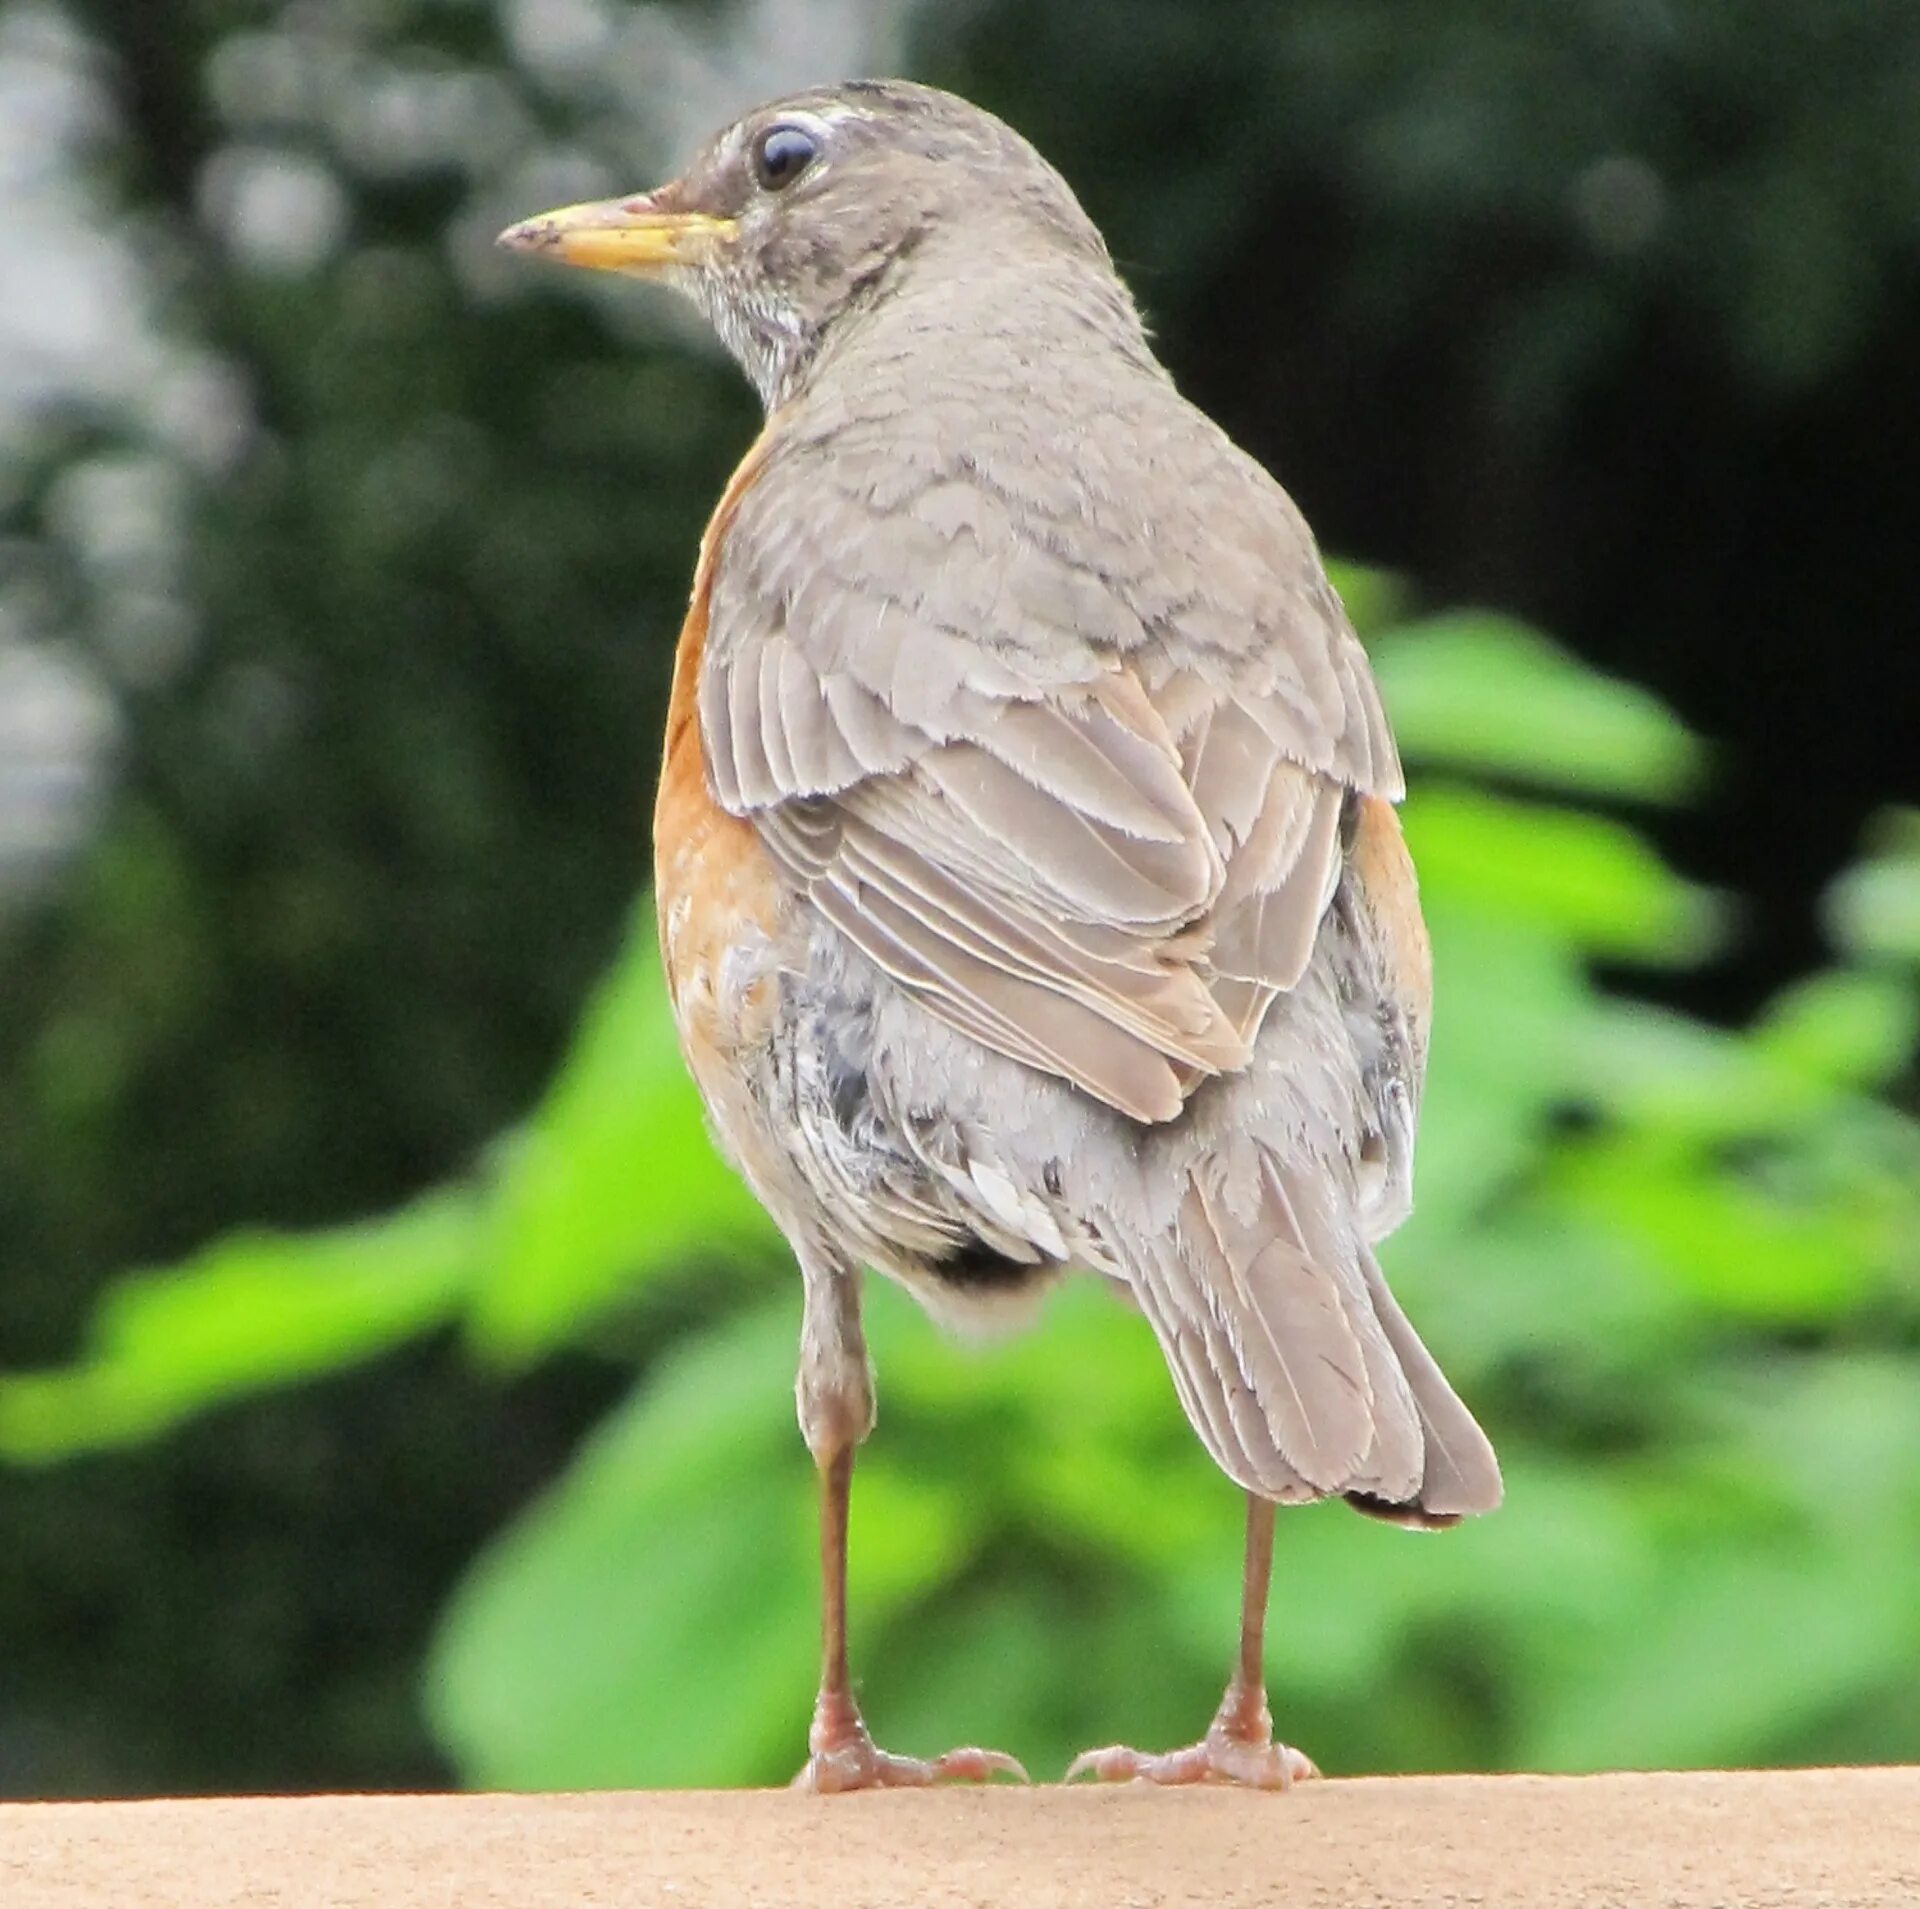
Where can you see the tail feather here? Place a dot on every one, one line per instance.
(1462, 1475)
(1217, 1398)
(1291, 1358)
(1285, 1325)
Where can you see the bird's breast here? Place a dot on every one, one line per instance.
(720, 898)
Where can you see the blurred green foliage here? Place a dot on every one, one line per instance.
(1651, 1251)
(370, 545)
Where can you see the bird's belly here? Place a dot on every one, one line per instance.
(815, 1073)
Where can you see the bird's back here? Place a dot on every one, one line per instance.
(1099, 942)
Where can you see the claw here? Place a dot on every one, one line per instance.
(974, 1765)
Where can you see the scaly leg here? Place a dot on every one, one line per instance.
(835, 1397)
(1239, 1745)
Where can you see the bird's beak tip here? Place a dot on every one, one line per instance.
(528, 235)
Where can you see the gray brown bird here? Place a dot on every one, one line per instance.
(1030, 886)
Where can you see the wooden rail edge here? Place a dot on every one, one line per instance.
(1816, 1839)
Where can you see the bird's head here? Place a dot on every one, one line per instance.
(792, 219)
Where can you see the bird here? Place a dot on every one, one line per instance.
(1032, 897)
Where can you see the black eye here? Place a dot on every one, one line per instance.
(783, 154)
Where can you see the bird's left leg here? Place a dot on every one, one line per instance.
(834, 1393)
(1239, 1745)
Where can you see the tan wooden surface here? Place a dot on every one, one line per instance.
(1831, 1839)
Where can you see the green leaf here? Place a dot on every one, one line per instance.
(651, 1619)
(1874, 909)
(1591, 882)
(254, 1310)
(1846, 1028)
(1480, 692)
(1709, 1629)
(613, 1181)
(1743, 1248)
(1736, 1651)
(1374, 599)
(1667, 1073)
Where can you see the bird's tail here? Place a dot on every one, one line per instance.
(1295, 1363)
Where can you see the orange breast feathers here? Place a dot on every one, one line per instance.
(1390, 899)
(713, 880)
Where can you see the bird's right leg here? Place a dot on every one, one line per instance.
(1239, 1746)
(834, 1393)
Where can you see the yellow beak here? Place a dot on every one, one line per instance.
(620, 235)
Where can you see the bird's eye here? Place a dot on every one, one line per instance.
(783, 154)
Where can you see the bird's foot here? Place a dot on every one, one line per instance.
(865, 1766)
(1238, 1748)
(1214, 1759)
(844, 1757)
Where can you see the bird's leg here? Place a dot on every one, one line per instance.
(834, 1393)
(1239, 1745)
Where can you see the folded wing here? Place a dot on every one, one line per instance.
(1092, 866)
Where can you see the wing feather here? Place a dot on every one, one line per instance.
(1089, 869)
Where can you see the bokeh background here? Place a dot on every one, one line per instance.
(392, 1388)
